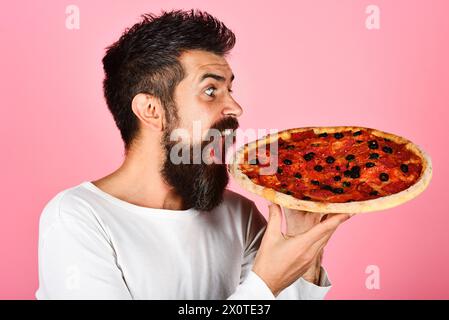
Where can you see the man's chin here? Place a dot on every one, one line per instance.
(211, 186)
(200, 186)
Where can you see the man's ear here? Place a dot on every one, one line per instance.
(149, 110)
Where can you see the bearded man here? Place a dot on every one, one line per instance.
(159, 229)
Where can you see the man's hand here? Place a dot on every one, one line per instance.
(282, 259)
(298, 222)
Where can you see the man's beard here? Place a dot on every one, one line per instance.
(200, 185)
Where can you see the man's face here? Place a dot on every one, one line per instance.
(205, 93)
(203, 102)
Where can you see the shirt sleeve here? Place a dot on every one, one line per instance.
(252, 287)
(76, 259)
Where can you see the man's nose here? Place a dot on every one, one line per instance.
(232, 108)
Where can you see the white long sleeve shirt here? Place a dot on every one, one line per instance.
(93, 245)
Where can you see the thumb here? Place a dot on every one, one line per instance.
(274, 219)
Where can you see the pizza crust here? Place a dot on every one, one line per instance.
(354, 207)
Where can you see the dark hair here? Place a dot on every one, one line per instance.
(145, 59)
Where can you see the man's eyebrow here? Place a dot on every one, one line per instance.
(214, 76)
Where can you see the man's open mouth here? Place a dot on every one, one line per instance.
(219, 149)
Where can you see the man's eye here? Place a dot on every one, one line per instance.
(210, 91)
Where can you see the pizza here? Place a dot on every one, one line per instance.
(333, 169)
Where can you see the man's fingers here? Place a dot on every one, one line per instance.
(289, 211)
(321, 243)
(299, 221)
(274, 219)
(327, 226)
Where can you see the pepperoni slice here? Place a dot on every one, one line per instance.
(394, 186)
(298, 136)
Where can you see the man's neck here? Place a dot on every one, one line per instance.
(139, 181)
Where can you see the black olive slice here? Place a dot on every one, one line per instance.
(387, 149)
(330, 159)
(338, 135)
(338, 190)
(404, 168)
(323, 135)
(309, 156)
(372, 144)
(384, 177)
(350, 157)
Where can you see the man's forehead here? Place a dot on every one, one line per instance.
(197, 63)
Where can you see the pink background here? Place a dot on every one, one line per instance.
(297, 63)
